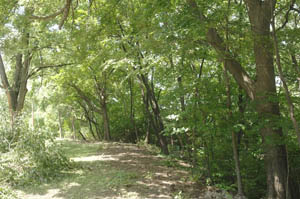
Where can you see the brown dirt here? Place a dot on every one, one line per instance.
(146, 176)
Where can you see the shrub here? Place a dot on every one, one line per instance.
(33, 157)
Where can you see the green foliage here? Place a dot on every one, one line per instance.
(32, 158)
(7, 193)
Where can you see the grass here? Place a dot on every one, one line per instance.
(112, 170)
(89, 179)
(74, 149)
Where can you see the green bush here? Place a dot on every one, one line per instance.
(31, 158)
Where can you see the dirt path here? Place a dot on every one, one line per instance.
(116, 170)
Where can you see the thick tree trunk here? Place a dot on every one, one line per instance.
(16, 91)
(105, 122)
(260, 15)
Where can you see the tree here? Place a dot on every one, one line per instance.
(261, 90)
(23, 47)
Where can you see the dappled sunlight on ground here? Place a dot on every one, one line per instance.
(114, 170)
(94, 158)
(51, 193)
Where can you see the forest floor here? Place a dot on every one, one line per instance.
(116, 170)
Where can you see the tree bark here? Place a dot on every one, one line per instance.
(16, 90)
(260, 14)
(105, 122)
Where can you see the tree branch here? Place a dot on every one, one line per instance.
(287, 15)
(4, 79)
(32, 73)
(215, 40)
(65, 11)
(86, 98)
(49, 16)
(296, 9)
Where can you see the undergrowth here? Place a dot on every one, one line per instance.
(28, 157)
(6, 193)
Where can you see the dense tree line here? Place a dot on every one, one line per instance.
(214, 82)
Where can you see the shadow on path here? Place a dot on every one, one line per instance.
(114, 170)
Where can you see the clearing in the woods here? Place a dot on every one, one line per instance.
(115, 170)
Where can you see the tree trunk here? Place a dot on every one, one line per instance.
(16, 91)
(73, 128)
(105, 122)
(97, 127)
(260, 15)
(132, 109)
(60, 125)
(156, 120)
(89, 117)
(235, 150)
(83, 137)
(182, 101)
(296, 67)
(102, 95)
(234, 139)
(153, 119)
(148, 115)
(263, 91)
(91, 128)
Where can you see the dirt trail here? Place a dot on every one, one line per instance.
(116, 170)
